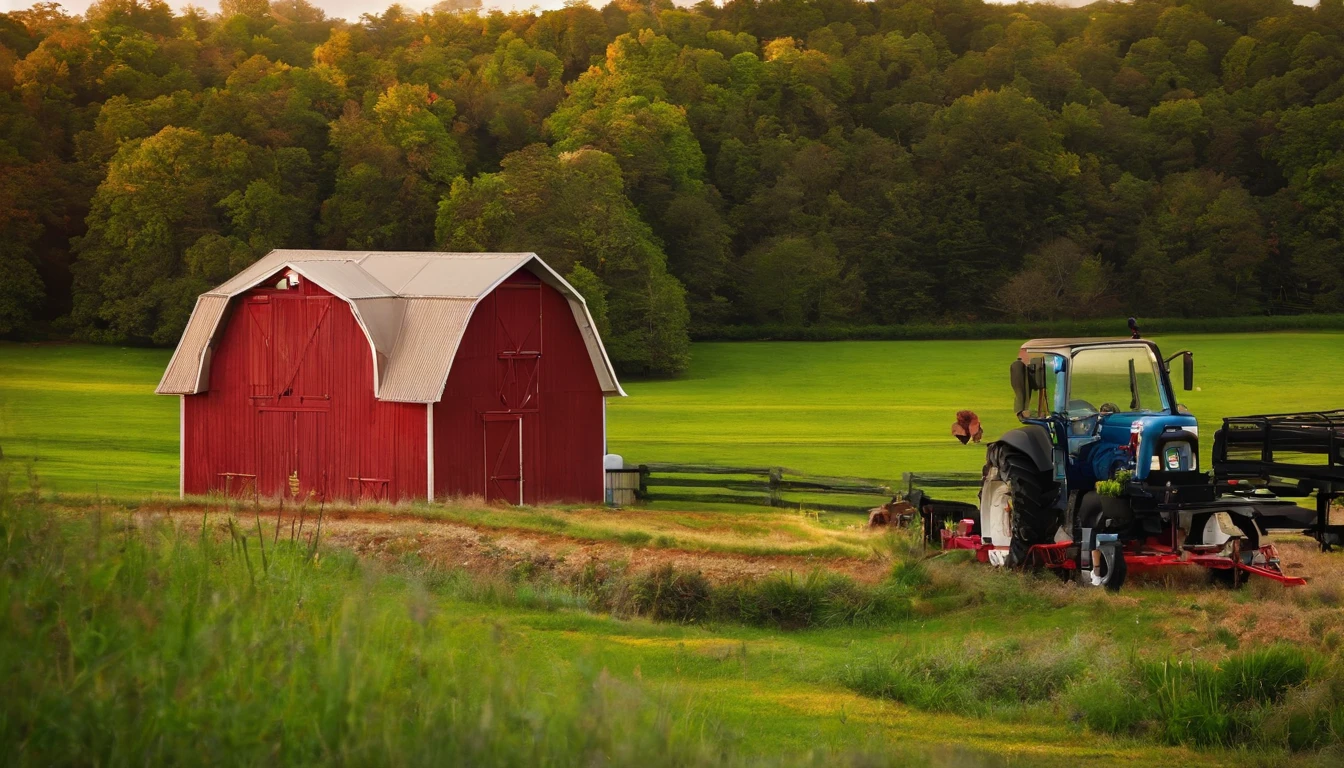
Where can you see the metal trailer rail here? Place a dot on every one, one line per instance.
(1289, 454)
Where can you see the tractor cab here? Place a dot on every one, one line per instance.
(1108, 406)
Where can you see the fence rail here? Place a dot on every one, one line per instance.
(913, 480)
(766, 486)
(757, 486)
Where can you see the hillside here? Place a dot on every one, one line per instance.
(787, 162)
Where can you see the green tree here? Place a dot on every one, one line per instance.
(160, 196)
(392, 167)
(572, 210)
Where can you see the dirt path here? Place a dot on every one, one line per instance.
(491, 550)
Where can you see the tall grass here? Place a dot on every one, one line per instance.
(786, 600)
(1277, 697)
(969, 680)
(142, 644)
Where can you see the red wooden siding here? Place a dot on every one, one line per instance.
(522, 372)
(291, 391)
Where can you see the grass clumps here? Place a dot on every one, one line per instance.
(144, 644)
(1225, 704)
(1275, 697)
(780, 601)
(817, 599)
(968, 679)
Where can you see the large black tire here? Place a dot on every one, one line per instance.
(1034, 493)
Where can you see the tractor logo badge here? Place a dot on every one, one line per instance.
(1173, 460)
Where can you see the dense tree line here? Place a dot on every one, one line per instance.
(764, 161)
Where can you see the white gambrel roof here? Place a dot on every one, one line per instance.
(413, 307)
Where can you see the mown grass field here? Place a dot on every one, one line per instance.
(86, 417)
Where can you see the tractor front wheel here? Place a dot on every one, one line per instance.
(1110, 575)
(1034, 518)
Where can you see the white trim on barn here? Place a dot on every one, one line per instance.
(181, 446)
(429, 450)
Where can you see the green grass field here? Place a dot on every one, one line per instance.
(154, 637)
(85, 417)
(877, 409)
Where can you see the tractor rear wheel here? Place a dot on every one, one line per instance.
(1034, 517)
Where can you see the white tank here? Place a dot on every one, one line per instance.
(613, 461)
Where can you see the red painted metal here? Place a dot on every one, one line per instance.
(291, 396)
(1152, 555)
(1052, 555)
(961, 538)
(521, 362)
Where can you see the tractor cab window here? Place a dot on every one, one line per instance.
(1114, 380)
(1041, 371)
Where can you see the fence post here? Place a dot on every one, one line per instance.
(909, 479)
(643, 481)
(776, 477)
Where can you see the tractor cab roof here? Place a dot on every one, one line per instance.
(1067, 347)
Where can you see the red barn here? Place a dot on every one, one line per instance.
(391, 376)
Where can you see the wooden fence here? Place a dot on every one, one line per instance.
(758, 486)
(913, 480)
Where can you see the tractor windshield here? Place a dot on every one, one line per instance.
(1115, 380)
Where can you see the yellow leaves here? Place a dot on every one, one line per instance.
(1065, 166)
(782, 49)
(335, 52)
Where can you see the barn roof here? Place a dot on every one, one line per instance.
(413, 307)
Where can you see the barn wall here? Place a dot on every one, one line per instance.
(487, 395)
(328, 428)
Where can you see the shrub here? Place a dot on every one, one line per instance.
(668, 594)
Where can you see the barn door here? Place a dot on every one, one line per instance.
(301, 341)
(291, 452)
(259, 353)
(518, 343)
(310, 453)
(277, 439)
(504, 458)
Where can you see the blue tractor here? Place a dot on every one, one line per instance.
(1103, 476)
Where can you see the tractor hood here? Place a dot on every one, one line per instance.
(1156, 432)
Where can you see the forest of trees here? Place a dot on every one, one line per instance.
(784, 162)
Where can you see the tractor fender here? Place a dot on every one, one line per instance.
(1034, 441)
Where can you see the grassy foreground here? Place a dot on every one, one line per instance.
(136, 638)
(87, 419)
